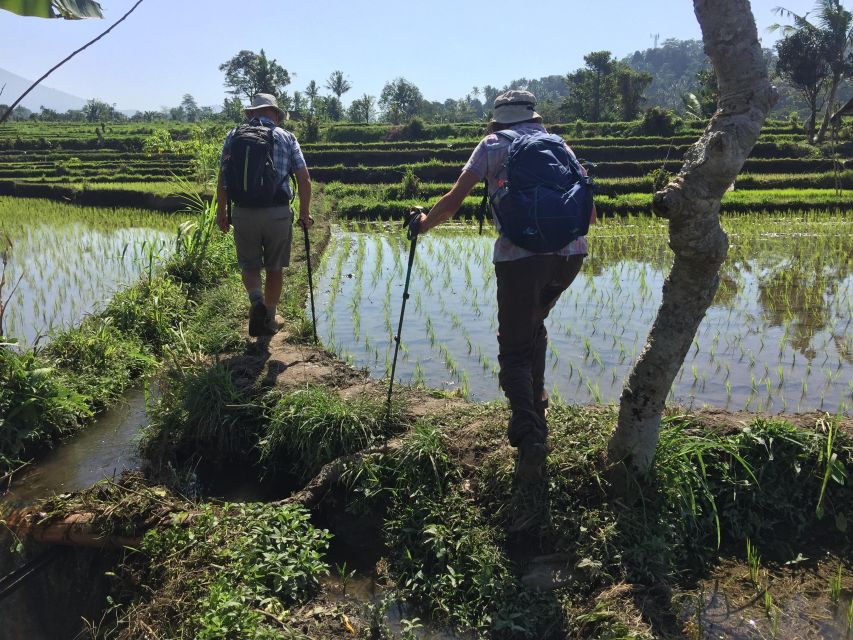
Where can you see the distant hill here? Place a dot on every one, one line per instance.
(673, 66)
(40, 96)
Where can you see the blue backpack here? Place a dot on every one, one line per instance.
(546, 201)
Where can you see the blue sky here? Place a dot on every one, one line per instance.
(167, 48)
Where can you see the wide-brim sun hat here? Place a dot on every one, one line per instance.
(515, 106)
(264, 101)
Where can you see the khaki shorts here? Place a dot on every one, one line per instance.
(263, 236)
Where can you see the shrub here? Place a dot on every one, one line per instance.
(414, 130)
(36, 406)
(657, 122)
(660, 178)
(309, 129)
(409, 185)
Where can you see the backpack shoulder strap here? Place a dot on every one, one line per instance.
(509, 134)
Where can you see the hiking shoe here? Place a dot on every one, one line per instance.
(271, 326)
(529, 506)
(530, 468)
(258, 319)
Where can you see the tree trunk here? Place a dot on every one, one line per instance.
(830, 101)
(812, 121)
(691, 202)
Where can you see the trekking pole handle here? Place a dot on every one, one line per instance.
(411, 222)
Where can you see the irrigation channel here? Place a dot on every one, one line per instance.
(778, 338)
(104, 450)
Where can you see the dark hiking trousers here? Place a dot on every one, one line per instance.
(527, 291)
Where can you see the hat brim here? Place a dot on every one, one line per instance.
(250, 110)
(509, 114)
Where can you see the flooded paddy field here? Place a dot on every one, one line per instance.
(777, 338)
(67, 261)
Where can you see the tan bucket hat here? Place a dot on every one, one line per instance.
(515, 106)
(265, 101)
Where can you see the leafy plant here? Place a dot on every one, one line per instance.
(236, 569)
(36, 406)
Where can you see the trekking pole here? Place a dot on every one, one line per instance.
(310, 279)
(413, 236)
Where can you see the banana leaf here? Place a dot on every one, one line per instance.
(68, 9)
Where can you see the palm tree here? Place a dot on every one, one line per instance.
(311, 92)
(834, 24)
(337, 84)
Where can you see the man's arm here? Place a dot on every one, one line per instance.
(450, 202)
(303, 181)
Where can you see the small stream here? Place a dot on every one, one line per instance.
(104, 449)
(71, 587)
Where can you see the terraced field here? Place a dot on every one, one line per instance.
(118, 165)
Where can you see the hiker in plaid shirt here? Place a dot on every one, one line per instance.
(263, 235)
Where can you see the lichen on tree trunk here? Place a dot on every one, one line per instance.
(691, 203)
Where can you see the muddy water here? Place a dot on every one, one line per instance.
(793, 603)
(45, 608)
(102, 450)
(797, 616)
(363, 589)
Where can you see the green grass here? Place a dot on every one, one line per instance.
(307, 428)
(99, 360)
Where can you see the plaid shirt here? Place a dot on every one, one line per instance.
(286, 153)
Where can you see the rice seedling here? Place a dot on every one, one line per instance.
(753, 562)
(835, 586)
(68, 261)
(850, 616)
(605, 315)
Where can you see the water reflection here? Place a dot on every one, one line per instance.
(800, 297)
(778, 336)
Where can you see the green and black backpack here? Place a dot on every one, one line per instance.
(250, 173)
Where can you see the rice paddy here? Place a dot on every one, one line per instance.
(68, 260)
(778, 337)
